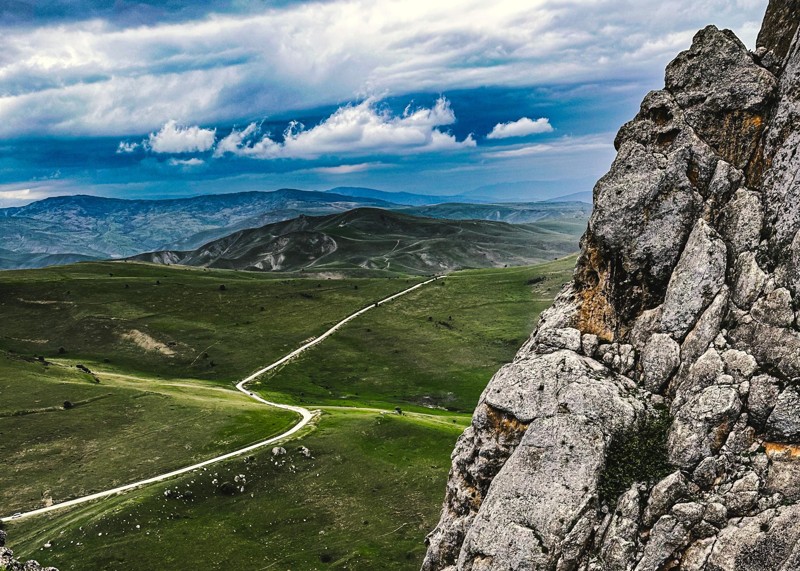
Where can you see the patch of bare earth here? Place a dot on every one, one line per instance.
(144, 341)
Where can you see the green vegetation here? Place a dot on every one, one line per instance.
(119, 430)
(373, 486)
(173, 322)
(638, 454)
(365, 500)
(435, 348)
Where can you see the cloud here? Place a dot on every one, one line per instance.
(363, 129)
(565, 145)
(21, 194)
(96, 77)
(174, 138)
(126, 147)
(347, 169)
(521, 128)
(193, 162)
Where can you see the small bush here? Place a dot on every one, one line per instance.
(638, 454)
(227, 488)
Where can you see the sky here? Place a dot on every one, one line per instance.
(161, 99)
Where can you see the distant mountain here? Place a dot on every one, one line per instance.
(56, 230)
(374, 239)
(519, 191)
(515, 213)
(108, 227)
(13, 260)
(405, 198)
(585, 197)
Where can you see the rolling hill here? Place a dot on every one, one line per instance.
(375, 239)
(108, 228)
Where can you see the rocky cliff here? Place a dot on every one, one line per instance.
(652, 421)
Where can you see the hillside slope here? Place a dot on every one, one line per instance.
(652, 420)
(373, 239)
(107, 228)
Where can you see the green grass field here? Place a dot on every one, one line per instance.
(365, 501)
(173, 321)
(433, 349)
(373, 489)
(118, 431)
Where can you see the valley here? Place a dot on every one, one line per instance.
(295, 511)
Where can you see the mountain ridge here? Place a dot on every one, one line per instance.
(374, 239)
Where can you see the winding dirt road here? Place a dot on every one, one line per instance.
(305, 417)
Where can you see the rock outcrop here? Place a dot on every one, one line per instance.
(652, 421)
(8, 563)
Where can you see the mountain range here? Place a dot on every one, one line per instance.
(72, 228)
(375, 239)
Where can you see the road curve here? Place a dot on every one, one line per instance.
(305, 417)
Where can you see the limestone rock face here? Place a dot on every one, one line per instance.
(682, 315)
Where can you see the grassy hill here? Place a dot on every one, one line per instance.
(372, 488)
(379, 240)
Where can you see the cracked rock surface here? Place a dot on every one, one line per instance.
(683, 306)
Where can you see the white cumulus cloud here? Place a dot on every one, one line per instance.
(521, 128)
(174, 138)
(363, 129)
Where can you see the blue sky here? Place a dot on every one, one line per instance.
(137, 99)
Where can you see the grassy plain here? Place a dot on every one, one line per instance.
(374, 486)
(174, 321)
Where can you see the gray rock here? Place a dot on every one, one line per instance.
(589, 344)
(696, 555)
(648, 323)
(741, 221)
(716, 514)
(743, 495)
(686, 281)
(666, 538)
(783, 424)
(620, 540)
(697, 279)
(764, 391)
(774, 309)
(764, 542)
(706, 330)
(660, 359)
(663, 496)
(749, 280)
(702, 425)
(8, 562)
(739, 365)
(558, 338)
(688, 513)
